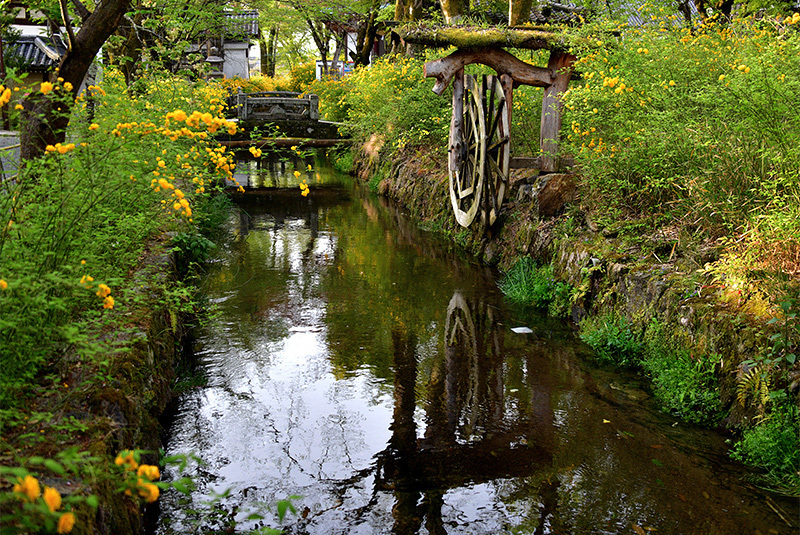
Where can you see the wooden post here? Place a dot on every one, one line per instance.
(560, 64)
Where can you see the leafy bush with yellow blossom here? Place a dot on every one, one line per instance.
(75, 221)
(389, 98)
(696, 130)
(302, 76)
(54, 495)
(255, 84)
(697, 123)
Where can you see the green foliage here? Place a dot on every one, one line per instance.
(343, 161)
(613, 338)
(302, 76)
(530, 284)
(562, 299)
(774, 446)
(75, 221)
(699, 124)
(390, 99)
(785, 342)
(684, 379)
(190, 249)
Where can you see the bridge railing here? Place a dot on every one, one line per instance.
(274, 106)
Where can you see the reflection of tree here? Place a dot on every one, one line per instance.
(469, 437)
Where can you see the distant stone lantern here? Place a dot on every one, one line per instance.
(215, 63)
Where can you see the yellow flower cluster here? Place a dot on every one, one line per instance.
(145, 475)
(59, 148)
(29, 489)
(180, 204)
(103, 292)
(303, 188)
(212, 123)
(256, 152)
(794, 19)
(3, 285)
(5, 95)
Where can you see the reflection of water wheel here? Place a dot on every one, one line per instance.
(459, 327)
(480, 148)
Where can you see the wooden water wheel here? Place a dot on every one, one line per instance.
(496, 91)
(479, 149)
(466, 150)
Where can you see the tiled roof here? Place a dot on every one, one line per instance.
(244, 23)
(36, 54)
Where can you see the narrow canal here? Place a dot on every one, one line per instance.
(365, 368)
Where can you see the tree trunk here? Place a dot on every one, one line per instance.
(337, 53)
(46, 124)
(269, 48)
(321, 40)
(454, 10)
(366, 39)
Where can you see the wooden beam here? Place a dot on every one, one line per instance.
(472, 37)
(498, 59)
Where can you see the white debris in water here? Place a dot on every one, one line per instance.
(521, 330)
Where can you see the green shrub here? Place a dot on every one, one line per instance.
(561, 304)
(684, 381)
(774, 446)
(75, 221)
(530, 284)
(612, 337)
(700, 124)
(302, 76)
(390, 98)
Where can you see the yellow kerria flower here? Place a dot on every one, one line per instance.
(149, 471)
(52, 499)
(46, 87)
(294, 147)
(67, 86)
(297, 174)
(94, 126)
(65, 523)
(3, 285)
(103, 290)
(29, 486)
(108, 302)
(148, 491)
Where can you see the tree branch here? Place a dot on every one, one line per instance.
(67, 22)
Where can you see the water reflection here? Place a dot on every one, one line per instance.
(365, 367)
(469, 435)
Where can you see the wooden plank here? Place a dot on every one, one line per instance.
(498, 59)
(524, 163)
